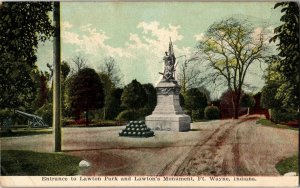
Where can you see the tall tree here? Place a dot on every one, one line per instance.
(134, 96)
(65, 70)
(230, 47)
(113, 103)
(108, 86)
(22, 26)
(195, 102)
(112, 70)
(87, 92)
(287, 36)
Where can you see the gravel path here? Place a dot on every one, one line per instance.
(227, 147)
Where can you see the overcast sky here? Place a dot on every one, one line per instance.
(136, 34)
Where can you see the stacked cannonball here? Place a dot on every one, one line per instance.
(136, 129)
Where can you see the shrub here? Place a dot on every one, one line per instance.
(139, 114)
(280, 115)
(46, 113)
(198, 114)
(4, 114)
(126, 115)
(143, 112)
(212, 112)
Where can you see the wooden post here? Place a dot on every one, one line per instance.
(56, 79)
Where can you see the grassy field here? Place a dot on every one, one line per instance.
(288, 165)
(269, 123)
(29, 163)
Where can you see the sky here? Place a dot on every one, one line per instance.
(136, 34)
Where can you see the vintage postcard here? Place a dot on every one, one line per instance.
(153, 93)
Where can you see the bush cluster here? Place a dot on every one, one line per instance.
(279, 115)
(198, 114)
(212, 112)
(46, 113)
(139, 114)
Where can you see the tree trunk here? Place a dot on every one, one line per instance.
(233, 104)
(237, 105)
(56, 79)
(87, 118)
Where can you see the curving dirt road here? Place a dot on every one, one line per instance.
(226, 147)
(241, 147)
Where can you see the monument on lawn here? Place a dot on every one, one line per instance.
(168, 114)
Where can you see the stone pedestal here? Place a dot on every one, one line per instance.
(168, 114)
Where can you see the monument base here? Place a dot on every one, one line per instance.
(172, 122)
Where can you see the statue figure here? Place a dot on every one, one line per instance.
(169, 61)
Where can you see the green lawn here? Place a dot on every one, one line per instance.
(269, 123)
(25, 132)
(29, 163)
(288, 165)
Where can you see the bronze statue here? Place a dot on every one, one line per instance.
(169, 61)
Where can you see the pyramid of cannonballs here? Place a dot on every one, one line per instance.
(136, 129)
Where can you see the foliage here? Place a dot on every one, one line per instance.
(86, 91)
(290, 164)
(288, 45)
(151, 96)
(212, 112)
(247, 100)
(29, 163)
(195, 99)
(140, 114)
(195, 102)
(113, 103)
(16, 85)
(65, 69)
(22, 26)
(227, 105)
(46, 113)
(269, 123)
(198, 114)
(268, 96)
(230, 47)
(107, 87)
(281, 115)
(41, 94)
(181, 100)
(134, 96)
(4, 114)
(127, 115)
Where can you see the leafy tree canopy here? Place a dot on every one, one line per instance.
(287, 36)
(247, 100)
(268, 96)
(134, 96)
(151, 96)
(86, 91)
(195, 99)
(230, 47)
(22, 26)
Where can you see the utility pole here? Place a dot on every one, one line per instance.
(56, 125)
